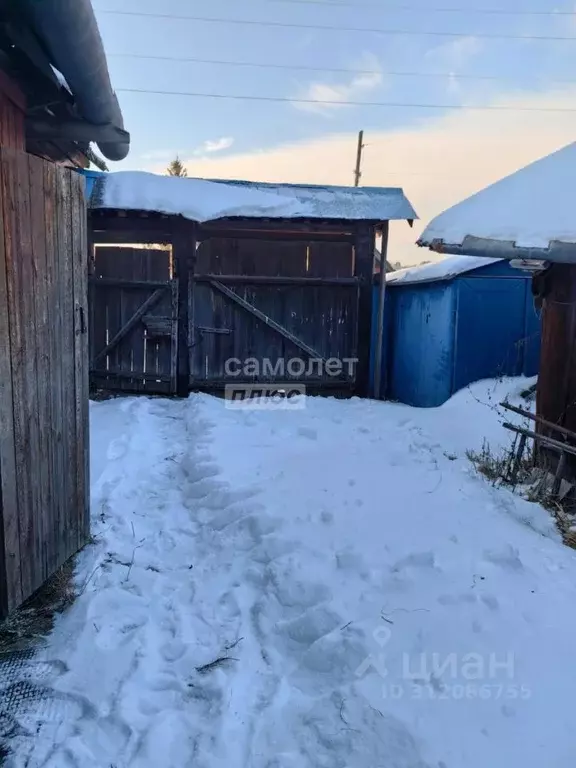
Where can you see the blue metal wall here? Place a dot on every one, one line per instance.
(91, 177)
(441, 336)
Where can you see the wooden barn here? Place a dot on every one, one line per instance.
(55, 98)
(199, 284)
(529, 218)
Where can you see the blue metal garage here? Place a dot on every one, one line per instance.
(455, 322)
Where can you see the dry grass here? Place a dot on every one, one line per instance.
(26, 626)
(531, 482)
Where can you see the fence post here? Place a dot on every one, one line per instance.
(364, 270)
(184, 256)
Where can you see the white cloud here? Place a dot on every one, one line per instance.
(352, 89)
(455, 53)
(451, 57)
(438, 162)
(218, 144)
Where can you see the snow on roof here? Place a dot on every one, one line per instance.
(529, 209)
(207, 200)
(441, 270)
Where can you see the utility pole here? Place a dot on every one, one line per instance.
(358, 171)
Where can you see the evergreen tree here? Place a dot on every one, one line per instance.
(176, 168)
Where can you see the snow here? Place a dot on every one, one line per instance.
(202, 200)
(379, 602)
(444, 269)
(61, 79)
(530, 208)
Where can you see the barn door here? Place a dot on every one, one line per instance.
(133, 320)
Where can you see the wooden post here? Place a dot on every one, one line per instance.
(183, 254)
(379, 381)
(358, 170)
(364, 270)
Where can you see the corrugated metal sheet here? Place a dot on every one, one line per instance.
(442, 336)
(129, 190)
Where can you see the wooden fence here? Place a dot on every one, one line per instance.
(290, 295)
(44, 382)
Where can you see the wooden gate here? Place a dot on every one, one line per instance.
(133, 319)
(44, 516)
(273, 311)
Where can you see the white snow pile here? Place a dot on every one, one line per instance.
(329, 587)
(443, 269)
(202, 200)
(530, 208)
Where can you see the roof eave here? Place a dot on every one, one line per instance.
(557, 251)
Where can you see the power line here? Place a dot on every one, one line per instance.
(422, 9)
(303, 68)
(328, 28)
(334, 103)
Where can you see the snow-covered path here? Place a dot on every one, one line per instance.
(328, 588)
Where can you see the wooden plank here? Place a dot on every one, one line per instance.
(56, 457)
(146, 229)
(544, 439)
(85, 378)
(265, 319)
(539, 420)
(29, 306)
(174, 337)
(183, 252)
(98, 307)
(137, 337)
(150, 301)
(122, 375)
(379, 385)
(276, 280)
(12, 594)
(205, 233)
(149, 237)
(120, 282)
(65, 329)
(127, 259)
(43, 478)
(80, 272)
(262, 228)
(363, 270)
(112, 266)
(24, 369)
(556, 394)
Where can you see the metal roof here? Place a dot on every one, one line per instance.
(530, 214)
(437, 271)
(207, 200)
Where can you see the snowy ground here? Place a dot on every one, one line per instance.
(379, 604)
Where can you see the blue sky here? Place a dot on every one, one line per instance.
(438, 156)
(166, 124)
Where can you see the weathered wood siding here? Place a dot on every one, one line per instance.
(556, 392)
(44, 383)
